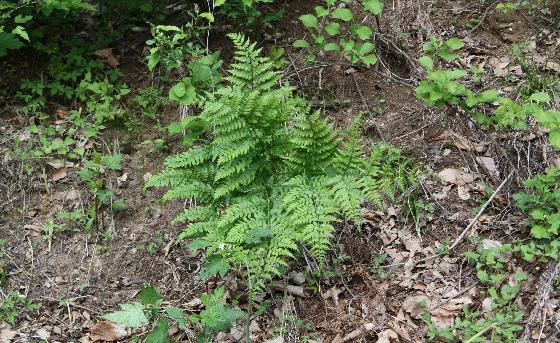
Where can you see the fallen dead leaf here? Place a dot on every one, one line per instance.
(6, 335)
(553, 66)
(43, 333)
(107, 331)
(62, 112)
(489, 164)
(59, 174)
(463, 193)
(416, 304)
(107, 56)
(455, 176)
(386, 336)
(464, 144)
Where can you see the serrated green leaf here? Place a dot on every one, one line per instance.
(150, 295)
(374, 6)
(216, 265)
(369, 60)
(454, 43)
(8, 41)
(309, 20)
(539, 231)
(177, 315)
(343, 14)
(448, 55)
(362, 31)
(183, 92)
(554, 138)
(332, 28)
(218, 3)
(131, 315)
(112, 162)
(426, 62)
(159, 333)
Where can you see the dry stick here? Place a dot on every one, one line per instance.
(462, 235)
(367, 107)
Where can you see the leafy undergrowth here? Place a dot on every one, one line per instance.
(342, 184)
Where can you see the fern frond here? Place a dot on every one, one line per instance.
(314, 145)
(251, 71)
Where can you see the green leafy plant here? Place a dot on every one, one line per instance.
(216, 316)
(13, 304)
(170, 44)
(93, 174)
(443, 87)
(149, 312)
(17, 19)
(338, 21)
(445, 50)
(543, 208)
(256, 13)
(268, 175)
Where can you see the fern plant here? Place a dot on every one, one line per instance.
(268, 176)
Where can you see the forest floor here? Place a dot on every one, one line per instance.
(379, 283)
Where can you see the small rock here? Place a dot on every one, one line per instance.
(486, 305)
(297, 278)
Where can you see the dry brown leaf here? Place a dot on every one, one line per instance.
(107, 331)
(500, 65)
(415, 304)
(107, 56)
(59, 174)
(455, 176)
(366, 327)
(464, 144)
(489, 164)
(553, 66)
(62, 112)
(387, 336)
(463, 193)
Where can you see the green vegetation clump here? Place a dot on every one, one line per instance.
(268, 176)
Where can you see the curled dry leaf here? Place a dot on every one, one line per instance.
(107, 56)
(366, 327)
(464, 144)
(107, 331)
(456, 176)
(298, 291)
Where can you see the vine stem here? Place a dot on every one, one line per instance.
(480, 333)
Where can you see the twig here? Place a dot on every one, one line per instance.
(484, 15)
(367, 107)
